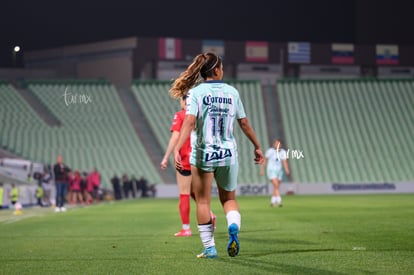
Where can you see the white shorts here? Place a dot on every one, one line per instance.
(275, 174)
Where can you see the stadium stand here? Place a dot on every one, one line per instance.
(159, 108)
(19, 123)
(96, 133)
(252, 95)
(349, 130)
(357, 130)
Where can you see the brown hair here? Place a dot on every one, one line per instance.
(280, 142)
(203, 65)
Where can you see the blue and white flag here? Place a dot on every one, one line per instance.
(299, 52)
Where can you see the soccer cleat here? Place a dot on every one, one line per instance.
(183, 233)
(208, 253)
(62, 209)
(233, 245)
(57, 209)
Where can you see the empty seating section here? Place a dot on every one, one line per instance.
(19, 124)
(252, 97)
(159, 108)
(95, 131)
(349, 130)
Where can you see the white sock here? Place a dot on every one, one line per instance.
(273, 200)
(206, 235)
(233, 216)
(278, 199)
(186, 226)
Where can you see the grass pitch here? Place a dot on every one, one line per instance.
(339, 234)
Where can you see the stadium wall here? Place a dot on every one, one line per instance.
(258, 189)
(27, 191)
(88, 61)
(18, 74)
(138, 58)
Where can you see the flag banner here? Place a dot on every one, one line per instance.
(257, 51)
(342, 54)
(299, 52)
(170, 48)
(387, 55)
(213, 46)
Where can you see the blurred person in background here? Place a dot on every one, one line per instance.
(47, 187)
(95, 179)
(14, 194)
(1, 195)
(39, 194)
(14, 199)
(89, 189)
(116, 185)
(83, 185)
(276, 165)
(61, 173)
(126, 185)
(142, 184)
(76, 188)
(68, 197)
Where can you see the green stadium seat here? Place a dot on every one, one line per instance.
(350, 130)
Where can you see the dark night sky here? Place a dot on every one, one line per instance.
(45, 23)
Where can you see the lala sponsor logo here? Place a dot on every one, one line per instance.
(222, 154)
(219, 154)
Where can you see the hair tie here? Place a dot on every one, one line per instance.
(215, 64)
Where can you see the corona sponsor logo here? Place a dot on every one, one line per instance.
(208, 100)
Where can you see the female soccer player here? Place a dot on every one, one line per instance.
(183, 176)
(212, 108)
(275, 160)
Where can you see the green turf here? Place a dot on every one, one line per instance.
(340, 234)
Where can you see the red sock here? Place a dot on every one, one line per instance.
(184, 208)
